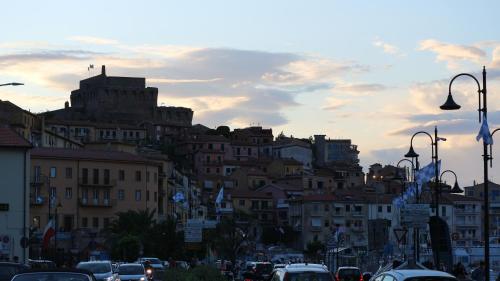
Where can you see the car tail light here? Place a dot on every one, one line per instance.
(248, 279)
(285, 277)
(361, 277)
(337, 277)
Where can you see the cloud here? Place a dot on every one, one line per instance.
(453, 54)
(387, 48)
(222, 85)
(93, 40)
(335, 103)
(362, 88)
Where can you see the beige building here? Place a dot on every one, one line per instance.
(88, 188)
(14, 208)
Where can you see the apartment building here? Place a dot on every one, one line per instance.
(88, 187)
(251, 142)
(477, 191)
(297, 149)
(14, 208)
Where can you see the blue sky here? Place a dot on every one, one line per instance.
(373, 71)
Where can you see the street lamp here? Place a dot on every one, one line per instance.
(456, 188)
(450, 104)
(56, 224)
(12, 84)
(416, 233)
(435, 158)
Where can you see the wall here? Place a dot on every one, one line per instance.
(12, 190)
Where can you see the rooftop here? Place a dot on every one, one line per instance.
(9, 138)
(86, 154)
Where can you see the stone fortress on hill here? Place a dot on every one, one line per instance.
(124, 100)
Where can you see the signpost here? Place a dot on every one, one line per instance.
(415, 215)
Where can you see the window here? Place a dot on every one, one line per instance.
(121, 175)
(155, 177)
(53, 192)
(36, 222)
(219, 159)
(327, 223)
(242, 202)
(121, 194)
(249, 151)
(85, 175)
(217, 170)
(156, 196)
(380, 209)
(85, 222)
(264, 217)
(137, 175)
(147, 176)
(95, 194)
(316, 222)
(85, 193)
(95, 176)
(264, 205)
(147, 195)
(53, 172)
(327, 207)
(69, 193)
(389, 208)
(137, 134)
(358, 209)
(310, 184)
(222, 146)
(106, 176)
(228, 171)
(238, 151)
(208, 158)
(210, 146)
(69, 172)
(320, 184)
(95, 222)
(347, 208)
(105, 222)
(208, 170)
(137, 195)
(443, 210)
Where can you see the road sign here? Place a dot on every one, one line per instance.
(415, 215)
(400, 234)
(193, 231)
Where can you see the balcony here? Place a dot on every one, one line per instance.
(357, 214)
(88, 182)
(38, 180)
(101, 203)
(315, 228)
(467, 211)
(37, 200)
(338, 214)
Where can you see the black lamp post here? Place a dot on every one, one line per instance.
(416, 234)
(56, 226)
(456, 188)
(450, 104)
(435, 158)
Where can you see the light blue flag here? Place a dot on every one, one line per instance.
(178, 197)
(220, 196)
(426, 173)
(484, 133)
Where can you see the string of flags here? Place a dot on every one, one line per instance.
(422, 176)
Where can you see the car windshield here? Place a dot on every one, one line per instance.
(51, 276)
(265, 268)
(131, 270)
(153, 261)
(348, 273)
(430, 278)
(309, 276)
(95, 267)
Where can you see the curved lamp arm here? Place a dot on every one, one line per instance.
(423, 132)
(479, 90)
(408, 160)
(447, 171)
(491, 148)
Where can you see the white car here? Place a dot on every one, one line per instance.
(132, 272)
(102, 270)
(414, 275)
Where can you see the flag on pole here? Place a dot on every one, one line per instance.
(90, 67)
(220, 196)
(426, 173)
(484, 133)
(48, 233)
(178, 197)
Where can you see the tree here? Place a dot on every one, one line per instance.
(127, 248)
(314, 249)
(229, 238)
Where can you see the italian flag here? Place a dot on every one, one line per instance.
(48, 233)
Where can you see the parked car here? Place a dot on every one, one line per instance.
(54, 275)
(257, 271)
(9, 269)
(132, 272)
(414, 275)
(348, 273)
(182, 264)
(41, 264)
(302, 271)
(156, 263)
(102, 270)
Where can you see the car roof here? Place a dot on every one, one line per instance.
(10, 263)
(131, 264)
(348, 267)
(87, 262)
(419, 273)
(301, 267)
(58, 270)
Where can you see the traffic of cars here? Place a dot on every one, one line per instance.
(147, 269)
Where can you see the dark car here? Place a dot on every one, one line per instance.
(9, 269)
(54, 275)
(348, 273)
(258, 271)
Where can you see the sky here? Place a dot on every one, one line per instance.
(371, 71)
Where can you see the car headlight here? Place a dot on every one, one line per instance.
(110, 278)
(142, 279)
(149, 271)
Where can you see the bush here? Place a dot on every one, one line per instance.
(199, 273)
